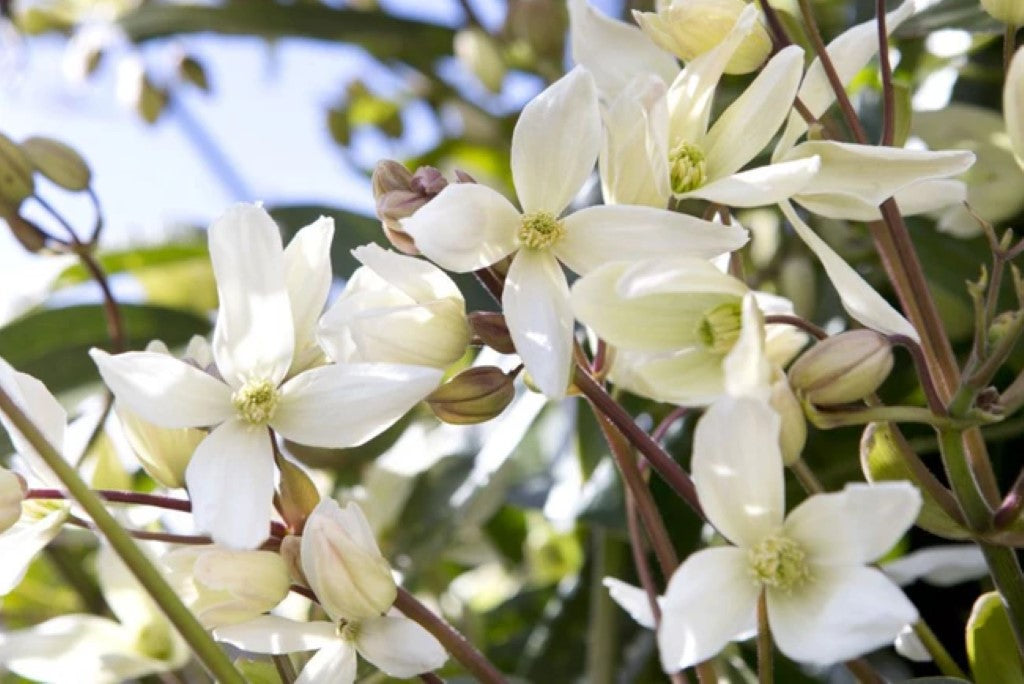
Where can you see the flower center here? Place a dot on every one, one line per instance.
(540, 230)
(687, 167)
(256, 401)
(779, 562)
(719, 329)
(347, 630)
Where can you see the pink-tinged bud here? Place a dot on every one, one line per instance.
(399, 193)
(842, 368)
(12, 493)
(297, 495)
(473, 396)
(343, 564)
(490, 328)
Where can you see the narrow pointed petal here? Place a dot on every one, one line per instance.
(854, 526)
(20, 544)
(746, 368)
(633, 162)
(537, 311)
(555, 143)
(710, 600)
(163, 390)
(941, 566)
(277, 635)
(254, 334)
(919, 198)
(631, 599)
(344, 405)
(307, 261)
(36, 402)
(858, 298)
(614, 51)
(419, 652)
(844, 612)
(747, 126)
(466, 227)
(418, 278)
(231, 484)
(334, 664)
(759, 186)
(692, 377)
(737, 469)
(597, 235)
(1013, 105)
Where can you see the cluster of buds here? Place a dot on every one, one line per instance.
(399, 193)
(843, 368)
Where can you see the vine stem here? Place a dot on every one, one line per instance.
(765, 668)
(151, 579)
(938, 652)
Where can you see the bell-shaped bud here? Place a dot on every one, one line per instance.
(793, 431)
(842, 368)
(490, 328)
(31, 237)
(480, 55)
(473, 396)
(191, 70)
(396, 309)
(1010, 12)
(58, 162)
(223, 586)
(343, 564)
(16, 183)
(12, 493)
(297, 495)
(689, 28)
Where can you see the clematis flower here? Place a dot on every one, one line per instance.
(823, 604)
(554, 147)
(231, 475)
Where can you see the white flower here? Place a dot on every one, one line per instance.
(12, 493)
(231, 475)
(396, 309)
(1013, 105)
(554, 147)
(823, 604)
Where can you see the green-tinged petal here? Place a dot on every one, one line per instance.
(1013, 105)
(746, 369)
(634, 153)
(277, 635)
(759, 186)
(918, 198)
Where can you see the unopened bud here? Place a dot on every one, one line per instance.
(689, 28)
(490, 328)
(291, 553)
(480, 55)
(192, 71)
(1010, 12)
(399, 193)
(26, 232)
(473, 396)
(16, 183)
(58, 162)
(793, 434)
(163, 453)
(12, 493)
(297, 495)
(343, 564)
(1001, 325)
(842, 368)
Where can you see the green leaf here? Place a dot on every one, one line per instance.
(52, 345)
(136, 259)
(991, 647)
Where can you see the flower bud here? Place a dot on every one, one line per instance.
(16, 183)
(396, 309)
(793, 431)
(343, 564)
(480, 55)
(842, 368)
(1010, 12)
(223, 586)
(473, 396)
(491, 329)
(297, 495)
(163, 453)
(399, 194)
(58, 162)
(689, 28)
(26, 232)
(12, 493)
(191, 70)
(291, 553)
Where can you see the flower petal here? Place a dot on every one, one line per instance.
(709, 601)
(633, 162)
(737, 469)
(536, 304)
(597, 235)
(692, 377)
(346, 404)
(844, 612)
(334, 664)
(746, 368)
(277, 635)
(856, 525)
(466, 227)
(419, 279)
(941, 566)
(254, 334)
(86, 645)
(418, 652)
(858, 298)
(20, 544)
(759, 186)
(918, 198)
(163, 390)
(1013, 105)
(36, 402)
(231, 484)
(631, 599)
(555, 143)
(307, 263)
(614, 51)
(751, 121)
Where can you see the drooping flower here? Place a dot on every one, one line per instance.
(554, 147)
(231, 475)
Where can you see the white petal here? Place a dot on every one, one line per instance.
(254, 334)
(746, 369)
(942, 566)
(555, 143)
(692, 377)
(856, 525)
(737, 469)
(633, 600)
(419, 279)
(858, 298)
(307, 262)
(1013, 104)
(163, 390)
(20, 544)
(79, 644)
(918, 198)
(536, 304)
(759, 186)
(26, 286)
(597, 235)
(346, 404)
(709, 601)
(614, 51)
(399, 646)
(231, 484)
(277, 635)
(751, 121)
(45, 412)
(334, 664)
(908, 645)
(843, 613)
(466, 227)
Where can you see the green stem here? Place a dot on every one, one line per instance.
(205, 648)
(603, 614)
(938, 652)
(827, 419)
(765, 668)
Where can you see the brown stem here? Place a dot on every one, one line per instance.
(935, 402)
(1009, 46)
(667, 422)
(797, 322)
(636, 548)
(888, 100)
(112, 312)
